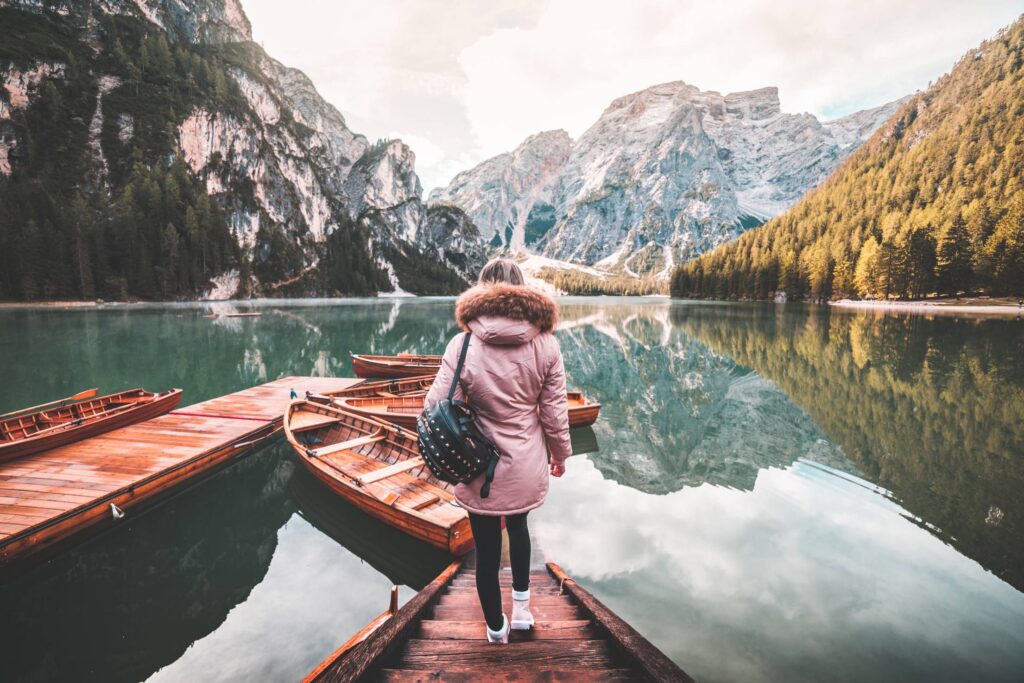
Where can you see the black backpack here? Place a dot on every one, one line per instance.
(451, 442)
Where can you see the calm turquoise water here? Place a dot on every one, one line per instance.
(771, 493)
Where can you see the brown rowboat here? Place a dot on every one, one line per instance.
(402, 365)
(31, 431)
(377, 467)
(388, 387)
(402, 410)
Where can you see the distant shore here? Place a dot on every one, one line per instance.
(48, 304)
(971, 306)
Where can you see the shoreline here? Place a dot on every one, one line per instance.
(945, 306)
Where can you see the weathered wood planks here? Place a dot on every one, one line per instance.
(51, 496)
(440, 636)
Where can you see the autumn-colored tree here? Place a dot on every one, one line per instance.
(884, 219)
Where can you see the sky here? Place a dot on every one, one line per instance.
(463, 80)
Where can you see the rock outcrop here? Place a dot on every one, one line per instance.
(510, 197)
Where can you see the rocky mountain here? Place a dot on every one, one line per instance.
(512, 194)
(103, 98)
(664, 175)
(931, 203)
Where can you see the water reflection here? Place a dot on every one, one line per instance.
(810, 576)
(771, 493)
(177, 346)
(400, 557)
(127, 603)
(676, 413)
(929, 409)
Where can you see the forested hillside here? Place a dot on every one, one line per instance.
(933, 203)
(151, 150)
(130, 220)
(158, 234)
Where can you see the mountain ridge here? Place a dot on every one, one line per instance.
(183, 79)
(663, 175)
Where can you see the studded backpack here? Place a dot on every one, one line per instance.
(451, 442)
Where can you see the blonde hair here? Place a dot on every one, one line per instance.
(501, 271)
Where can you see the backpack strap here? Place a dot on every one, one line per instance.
(458, 368)
(485, 490)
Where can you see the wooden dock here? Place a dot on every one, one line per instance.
(50, 496)
(439, 635)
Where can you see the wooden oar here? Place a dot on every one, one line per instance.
(88, 393)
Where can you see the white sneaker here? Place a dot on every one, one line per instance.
(501, 636)
(522, 620)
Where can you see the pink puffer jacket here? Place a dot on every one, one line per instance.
(515, 382)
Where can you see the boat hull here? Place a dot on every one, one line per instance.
(388, 387)
(456, 541)
(161, 403)
(390, 367)
(453, 536)
(582, 413)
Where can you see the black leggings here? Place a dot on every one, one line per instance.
(487, 534)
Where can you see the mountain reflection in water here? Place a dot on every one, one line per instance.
(126, 603)
(771, 493)
(676, 413)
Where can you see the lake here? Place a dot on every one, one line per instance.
(771, 493)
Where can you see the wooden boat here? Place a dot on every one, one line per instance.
(402, 410)
(41, 428)
(377, 467)
(439, 635)
(388, 387)
(582, 412)
(402, 365)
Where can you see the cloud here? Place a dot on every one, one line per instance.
(475, 79)
(810, 573)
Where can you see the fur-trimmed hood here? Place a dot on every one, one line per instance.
(483, 303)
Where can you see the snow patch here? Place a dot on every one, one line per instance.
(670, 262)
(531, 264)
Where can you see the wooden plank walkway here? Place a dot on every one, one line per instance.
(440, 635)
(50, 496)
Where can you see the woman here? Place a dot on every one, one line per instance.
(514, 379)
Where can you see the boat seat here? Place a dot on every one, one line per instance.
(304, 421)
(390, 470)
(346, 445)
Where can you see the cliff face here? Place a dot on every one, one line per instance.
(510, 197)
(294, 183)
(664, 175)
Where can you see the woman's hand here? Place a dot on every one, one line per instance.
(557, 470)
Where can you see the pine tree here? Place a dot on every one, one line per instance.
(867, 275)
(1006, 250)
(953, 259)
